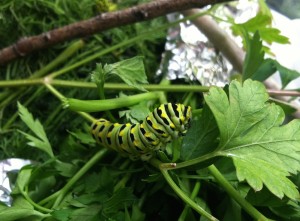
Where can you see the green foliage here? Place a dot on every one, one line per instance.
(258, 68)
(269, 67)
(15, 213)
(136, 113)
(251, 133)
(40, 141)
(86, 206)
(239, 129)
(34, 17)
(254, 56)
(261, 23)
(201, 137)
(237, 123)
(131, 71)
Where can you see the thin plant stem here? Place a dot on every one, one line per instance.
(37, 206)
(125, 87)
(86, 116)
(61, 58)
(58, 60)
(107, 86)
(100, 87)
(235, 195)
(185, 198)
(27, 102)
(21, 82)
(62, 98)
(98, 55)
(162, 95)
(152, 34)
(193, 196)
(125, 178)
(7, 100)
(173, 166)
(179, 192)
(197, 112)
(55, 92)
(59, 195)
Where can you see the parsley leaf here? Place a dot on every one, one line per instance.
(40, 139)
(251, 133)
(131, 71)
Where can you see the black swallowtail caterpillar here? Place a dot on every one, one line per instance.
(167, 122)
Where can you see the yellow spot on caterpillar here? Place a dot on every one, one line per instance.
(121, 133)
(164, 115)
(136, 143)
(132, 130)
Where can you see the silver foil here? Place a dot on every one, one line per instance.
(8, 172)
(189, 55)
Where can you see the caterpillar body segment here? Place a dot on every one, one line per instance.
(140, 141)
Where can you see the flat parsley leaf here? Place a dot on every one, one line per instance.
(251, 133)
(131, 71)
(40, 139)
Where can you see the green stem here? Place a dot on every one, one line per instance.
(26, 103)
(197, 112)
(55, 92)
(34, 78)
(49, 198)
(100, 86)
(162, 97)
(152, 34)
(11, 95)
(235, 195)
(172, 166)
(86, 116)
(21, 82)
(107, 86)
(150, 87)
(40, 208)
(99, 54)
(125, 178)
(188, 98)
(187, 207)
(62, 57)
(62, 98)
(179, 192)
(76, 177)
(108, 104)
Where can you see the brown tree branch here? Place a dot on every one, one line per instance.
(99, 23)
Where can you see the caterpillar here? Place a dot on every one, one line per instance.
(141, 140)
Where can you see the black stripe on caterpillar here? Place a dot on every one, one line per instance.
(140, 141)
